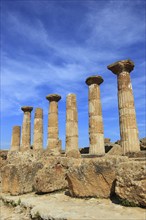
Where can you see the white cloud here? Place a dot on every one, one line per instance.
(29, 76)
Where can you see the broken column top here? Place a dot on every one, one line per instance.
(53, 97)
(71, 95)
(94, 80)
(26, 108)
(121, 66)
(70, 100)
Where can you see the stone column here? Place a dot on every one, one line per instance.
(15, 141)
(26, 127)
(60, 145)
(38, 129)
(96, 134)
(71, 124)
(127, 115)
(53, 131)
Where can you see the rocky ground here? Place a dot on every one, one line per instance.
(58, 206)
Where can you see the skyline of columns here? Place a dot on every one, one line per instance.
(127, 117)
(127, 114)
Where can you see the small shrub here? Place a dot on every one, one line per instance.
(37, 216)
(127, 203)
(13, 203)
(19, 202)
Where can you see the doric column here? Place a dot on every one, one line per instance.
(38, 129)
(71, 123)
(26, 127)
(53, 131)
(60, 145)
(127, 115)
(15, 141)
(96, 134)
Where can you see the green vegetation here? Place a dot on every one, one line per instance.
(19, 202)
(37, 216)
(127, 203)
(12, 203)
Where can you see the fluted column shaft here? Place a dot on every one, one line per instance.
(71, 123)
(96, 133)
(53, 125)
(53, 130)
(38, 129)
(15, 141)
(26, 128)
(127, 114)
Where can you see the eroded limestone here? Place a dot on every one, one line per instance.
(127, 114)
(15, 141)
(26, 127)
(96, 133)
(71, 125)
(38, 129)
(53, 131)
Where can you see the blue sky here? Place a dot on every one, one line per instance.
(53, 46)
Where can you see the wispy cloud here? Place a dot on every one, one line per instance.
(53, 47)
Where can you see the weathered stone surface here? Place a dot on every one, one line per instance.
(128, 125)
(140, 154)
(96, 136)
(73, 153)
(18, 178)
(52, 176)
(58, 206)
(107, 140)
(3, 155)
(38, 129)
(15, 141)
(26, 128)
(3, 162)
(131, 182)
(143, 144)
(115, 150)
(94, 177)
(15, 157)
(53, 130)
(18, 166)
(71, 126)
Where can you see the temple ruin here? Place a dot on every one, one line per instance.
(127, 118)
(104, 170)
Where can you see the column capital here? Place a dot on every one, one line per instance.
(26, 108)
(121, 66)
(94, 80)
(53, 97)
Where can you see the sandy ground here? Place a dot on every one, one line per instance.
(59, 206)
